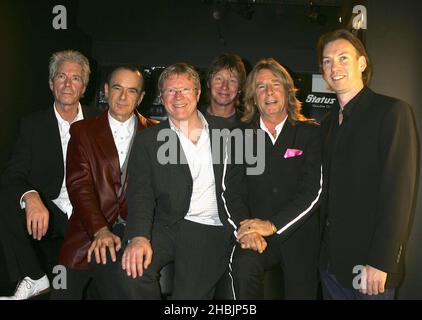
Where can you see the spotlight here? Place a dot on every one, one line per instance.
(217, 15)
(315, 16)
(219, 10)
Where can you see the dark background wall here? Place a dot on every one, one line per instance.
(393, 42)
(161, 32)
(186, 31)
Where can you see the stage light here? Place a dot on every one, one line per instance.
(315, 16)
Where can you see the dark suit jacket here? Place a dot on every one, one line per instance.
(369, 177)
(161, 193)
(93, 182)
(288, 191)
(37, 160)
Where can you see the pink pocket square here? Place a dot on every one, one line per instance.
(290, 153)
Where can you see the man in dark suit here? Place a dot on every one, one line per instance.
(96, 180)
(36, 203)
(370, 165)
(175, 198)
(282, 229)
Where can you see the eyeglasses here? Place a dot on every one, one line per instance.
(172, 91)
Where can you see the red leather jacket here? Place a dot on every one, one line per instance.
(93, 181)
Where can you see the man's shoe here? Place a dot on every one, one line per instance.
(28, 288)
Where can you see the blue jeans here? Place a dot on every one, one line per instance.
(333, 290)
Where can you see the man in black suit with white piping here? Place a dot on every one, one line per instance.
(282, 229)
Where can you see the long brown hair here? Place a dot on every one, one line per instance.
(294, 106)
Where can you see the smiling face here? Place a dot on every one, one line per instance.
(270, 96)
(67, 85)
(342, 69)
(224, 87)
(180, 97)
(124, 93)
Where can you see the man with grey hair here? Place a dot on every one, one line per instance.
(179, 210)
(34, 196)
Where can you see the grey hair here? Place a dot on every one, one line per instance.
(70, 56)
(179, 69)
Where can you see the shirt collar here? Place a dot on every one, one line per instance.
(277, 127)
(201, 117)
(115, 124)
(61, 121)
(348, 108)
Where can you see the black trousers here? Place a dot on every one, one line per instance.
(25, 256)
(300, 277)
(200, 254)
(99, 281)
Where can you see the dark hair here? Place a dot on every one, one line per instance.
(130, 68)
(354, 41)
(228, 61)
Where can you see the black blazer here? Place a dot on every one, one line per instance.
(288, 191)
(161, 193)
(370, 164)
(37, 159)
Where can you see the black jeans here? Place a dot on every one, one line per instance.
(25, 256)
(98, 282)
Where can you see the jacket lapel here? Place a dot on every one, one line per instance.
(179, 170)
(53, 133)
(217, 163)
(286, 139)
(331, 134)
(105, 142)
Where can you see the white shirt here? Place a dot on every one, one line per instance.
(62, 201)
(278, 129)
(122, 135)
(203, 204)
